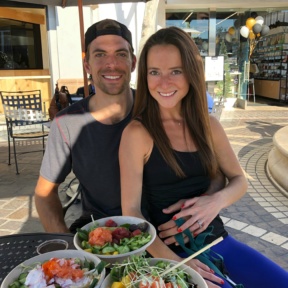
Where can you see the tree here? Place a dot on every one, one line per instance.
(224, 87)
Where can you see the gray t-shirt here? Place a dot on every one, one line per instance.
(77, 141)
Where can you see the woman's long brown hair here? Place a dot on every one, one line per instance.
(194, 107)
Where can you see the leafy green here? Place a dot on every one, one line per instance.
(139, 265)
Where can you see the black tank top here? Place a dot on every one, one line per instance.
(162, 187)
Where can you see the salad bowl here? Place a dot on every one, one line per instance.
(125, 221)
(195, 277)
(42, 258)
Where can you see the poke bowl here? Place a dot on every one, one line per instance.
(115, 238)
(145, 272)
(64, 268)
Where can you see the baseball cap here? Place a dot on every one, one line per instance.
(107, 27)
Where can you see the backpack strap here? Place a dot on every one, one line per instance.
(212, 259)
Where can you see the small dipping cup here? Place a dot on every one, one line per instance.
(52, 245)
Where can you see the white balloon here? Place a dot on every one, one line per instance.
(205, 46)
(244, 31)
(228, 37)
(260, 20)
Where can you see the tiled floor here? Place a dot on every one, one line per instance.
(259, 219)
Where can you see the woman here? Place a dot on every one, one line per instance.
(173, 149)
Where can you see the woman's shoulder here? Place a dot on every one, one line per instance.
(136, 132)
(136, 127)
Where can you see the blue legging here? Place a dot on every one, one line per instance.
(249, 267)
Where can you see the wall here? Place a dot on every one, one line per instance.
(21, 80)
(64, 34)
(61, 45)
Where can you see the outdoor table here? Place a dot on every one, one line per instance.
(16, 248)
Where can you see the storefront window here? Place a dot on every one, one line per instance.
(193, 22)
(20, 45)
(227, 45)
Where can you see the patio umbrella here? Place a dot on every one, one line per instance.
(80, 4)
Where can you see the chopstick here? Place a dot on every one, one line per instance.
(192, 256)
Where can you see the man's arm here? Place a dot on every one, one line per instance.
(49, 206)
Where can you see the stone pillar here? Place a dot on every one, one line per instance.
(278, 160)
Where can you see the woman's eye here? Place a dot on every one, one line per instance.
(153, 72)
(176, 72)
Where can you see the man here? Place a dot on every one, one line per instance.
(86, 135)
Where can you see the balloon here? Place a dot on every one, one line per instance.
(257, 28)
(259, 20)
(265, 30)
(231, 31)
(228, 37)
(244, 31)
(251, 35)
(250, 23)
(205, 46)
(236, 23)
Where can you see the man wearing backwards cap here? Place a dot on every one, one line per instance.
(85, 137)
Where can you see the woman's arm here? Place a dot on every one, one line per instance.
(206, 208)
(135, 148)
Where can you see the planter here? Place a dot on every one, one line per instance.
(229, 102)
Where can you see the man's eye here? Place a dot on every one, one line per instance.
(99, 54)
(124, 55)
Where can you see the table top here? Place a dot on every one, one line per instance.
(16, 248)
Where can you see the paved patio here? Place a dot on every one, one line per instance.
(259, 219)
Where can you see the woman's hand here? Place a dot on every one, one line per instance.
(206, 273)
(198, 213)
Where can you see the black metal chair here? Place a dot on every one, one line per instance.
(24, 119)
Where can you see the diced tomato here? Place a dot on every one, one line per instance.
(170, 285)
(61, 268)
(144, 284)
(155, 283)
(110, 223)
(136, 232)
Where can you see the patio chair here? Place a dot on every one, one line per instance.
(24, 119)
(217, 108)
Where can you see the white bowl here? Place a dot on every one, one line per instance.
(196, 277)
(14, 274)
(119, 220)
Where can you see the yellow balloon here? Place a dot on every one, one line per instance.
(250, 23)
(251, 35)
(231, 30)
